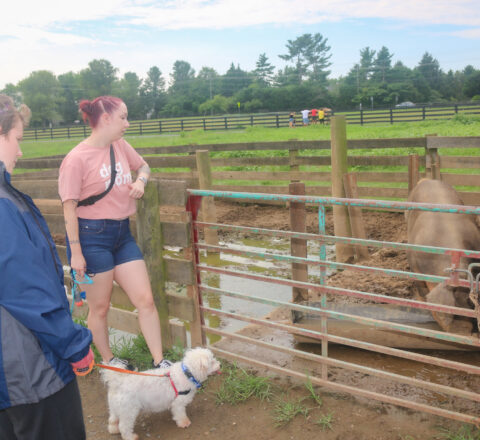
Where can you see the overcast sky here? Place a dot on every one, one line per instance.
(62, 35)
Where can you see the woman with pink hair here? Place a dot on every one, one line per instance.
(98, 196)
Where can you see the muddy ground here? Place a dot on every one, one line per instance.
(351, 418)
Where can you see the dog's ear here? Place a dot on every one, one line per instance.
(204, 362)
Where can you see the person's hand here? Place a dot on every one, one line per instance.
(137, 189)
(85, 365)
(79, 265)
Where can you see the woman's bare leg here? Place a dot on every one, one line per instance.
(133, 279)
(98, 296)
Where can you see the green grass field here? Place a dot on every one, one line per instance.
(458, 126)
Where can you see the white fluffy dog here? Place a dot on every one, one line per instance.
(128, 394)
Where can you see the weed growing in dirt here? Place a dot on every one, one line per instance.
(465, 432)
(239, 385)
(286, 410)
(313, 394)
(325, 421)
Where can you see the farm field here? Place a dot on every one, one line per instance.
(459, 126)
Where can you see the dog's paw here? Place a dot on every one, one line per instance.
(184, 423)
(113, 428)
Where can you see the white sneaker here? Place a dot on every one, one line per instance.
(119, 363)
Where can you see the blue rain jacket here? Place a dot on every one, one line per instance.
(38, 339)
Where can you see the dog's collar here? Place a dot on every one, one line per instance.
(191, 377)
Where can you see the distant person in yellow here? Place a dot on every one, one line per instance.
(321, 116)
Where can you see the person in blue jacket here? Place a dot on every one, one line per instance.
(41, 348)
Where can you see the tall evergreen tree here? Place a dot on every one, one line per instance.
(152, 93)
(383, 64)
(71, 92)
(310, 55)
(263, 70)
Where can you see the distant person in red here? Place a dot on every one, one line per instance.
(314, 113)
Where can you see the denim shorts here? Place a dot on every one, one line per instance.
(106, 244)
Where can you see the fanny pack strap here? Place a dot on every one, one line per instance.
(92, 199)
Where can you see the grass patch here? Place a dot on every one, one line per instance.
(239, 385)
(450, 127)
(325, 421)
(286, 410)
(465, 432)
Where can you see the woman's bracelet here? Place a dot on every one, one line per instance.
(74, 242)
(144, 180)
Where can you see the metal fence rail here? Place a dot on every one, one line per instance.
(322, 310)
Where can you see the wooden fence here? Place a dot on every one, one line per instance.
(411, 114)
(240, 121)
(270, 166)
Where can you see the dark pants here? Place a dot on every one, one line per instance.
(58, 417)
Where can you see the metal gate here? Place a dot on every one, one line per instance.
(465, 412)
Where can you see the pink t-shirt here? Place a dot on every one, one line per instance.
(85, 171)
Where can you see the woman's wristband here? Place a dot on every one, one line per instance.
(143, 179)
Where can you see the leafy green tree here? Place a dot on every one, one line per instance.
(217, 105)
(182, 77)
(128, 89)
(235, 79)
(12, 91)
(286, 77)
(41, 92)
(472, 85)
(429, 68)
(152, 93)
(263, 71)
(310, 55)
(71, 92)
(98, 78)
(367, 65)
(383, 64)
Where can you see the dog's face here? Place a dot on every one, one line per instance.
(201, 362)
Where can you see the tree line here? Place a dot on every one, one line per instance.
(303, 83)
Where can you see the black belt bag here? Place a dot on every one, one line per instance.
(92, 199)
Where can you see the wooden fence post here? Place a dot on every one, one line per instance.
(341, 224)
(432, 159)
(197, 335)
(413, 171)
(150, 240)
(294, 167)
(355, 214)
(208, 204)
(298, 246)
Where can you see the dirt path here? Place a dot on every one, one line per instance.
(352, 418)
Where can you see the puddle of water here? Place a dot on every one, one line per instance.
(276, 245)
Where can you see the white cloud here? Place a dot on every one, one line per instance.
(220, 14)
(468, 33)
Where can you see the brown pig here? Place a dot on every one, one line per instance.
(460, 231)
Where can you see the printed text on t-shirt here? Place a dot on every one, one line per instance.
(120, 179)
